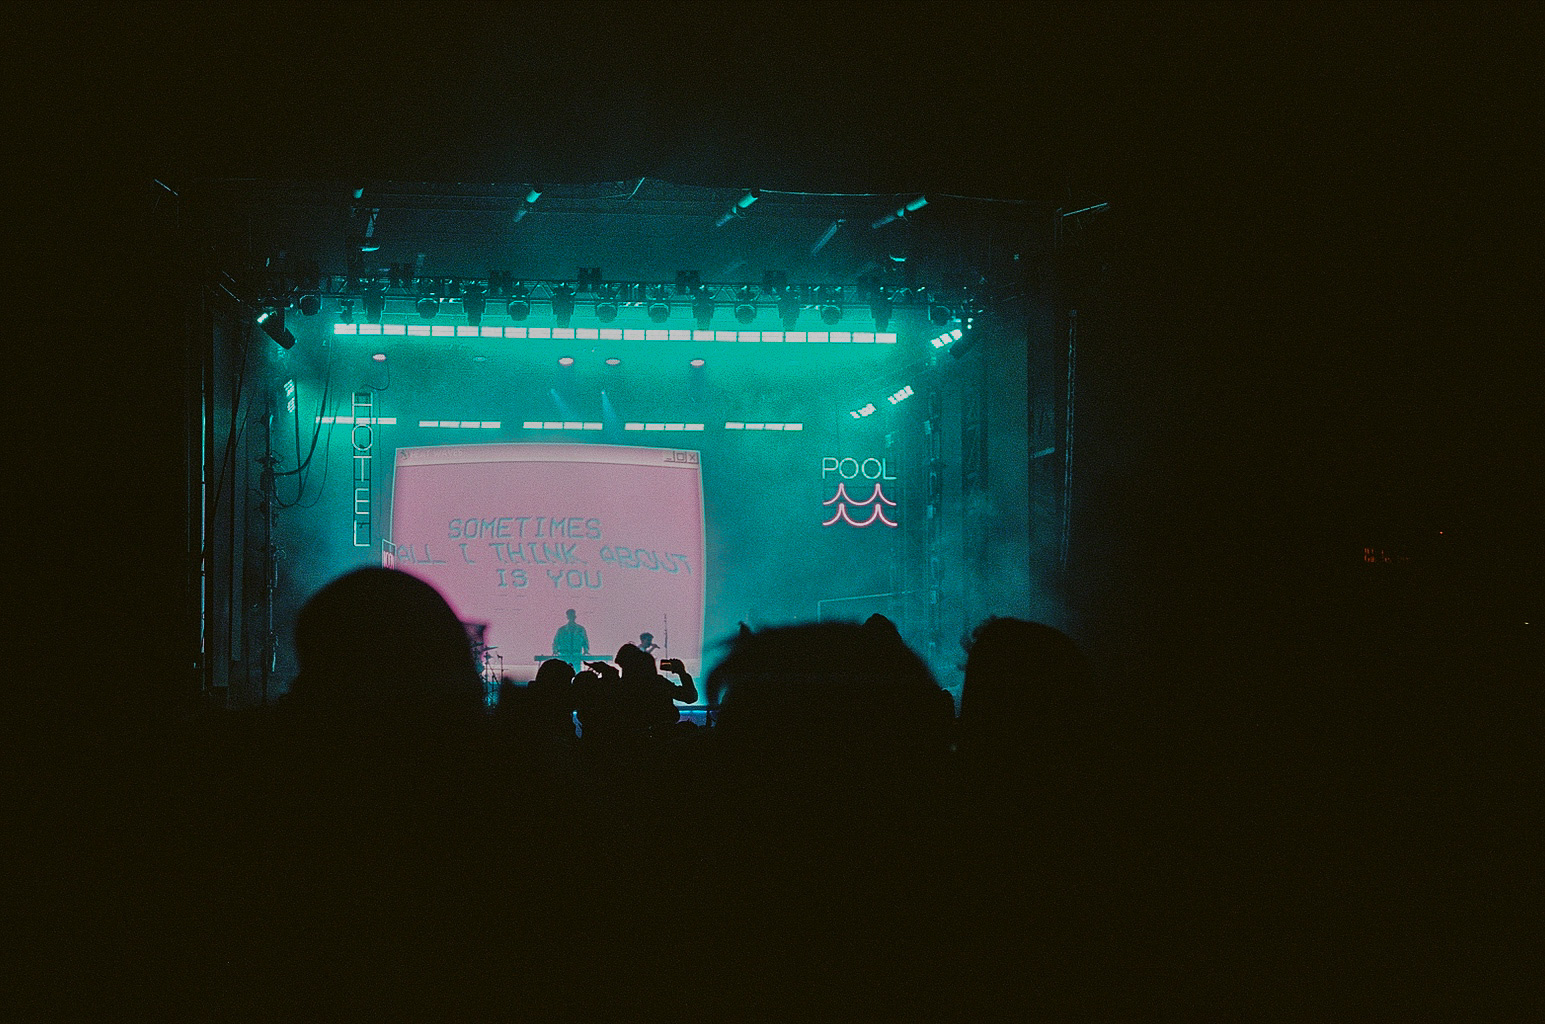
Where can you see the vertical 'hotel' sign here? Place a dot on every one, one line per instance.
(363, 441)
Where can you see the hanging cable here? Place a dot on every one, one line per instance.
(327, 447)
(234, 435)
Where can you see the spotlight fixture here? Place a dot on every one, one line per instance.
(379, 357)
(613, 361)
(606, 303)
(375, 302)
(474, 302)
(831, 304)
(520, 302)
(702, 307)
(788, 309)
(272, 322)
(526, 205)
(741, 205)
(972, 335)
(427, 307)
(310, 304)
(940, 314)
(900, 214)
(880, 309)
(696, 364)
(745, 304)
(566, 361)
(563, 304)
(659, 305)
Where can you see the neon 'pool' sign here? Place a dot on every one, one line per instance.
(850, 469)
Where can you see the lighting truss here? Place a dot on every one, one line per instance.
(424, 330)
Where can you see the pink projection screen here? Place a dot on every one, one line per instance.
(514, 535)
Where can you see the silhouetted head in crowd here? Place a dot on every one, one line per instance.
(544, 707)
(634, 663)
(831, 689)
(882, 626)
(553, 675)
(378, 641)
(1028, 693)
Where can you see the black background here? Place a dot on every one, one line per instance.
(1318, 286)
(1315, 272)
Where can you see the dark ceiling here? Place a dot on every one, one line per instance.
(1318, 224)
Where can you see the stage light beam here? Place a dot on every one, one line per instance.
(831, 233)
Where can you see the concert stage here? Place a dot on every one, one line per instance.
(673, 410)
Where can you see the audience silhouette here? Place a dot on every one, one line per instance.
(1053, 851)
(377, 644)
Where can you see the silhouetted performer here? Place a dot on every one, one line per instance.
(646, 643)
(571, 642)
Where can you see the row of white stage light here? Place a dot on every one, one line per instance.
(615, 334)
(551, 424)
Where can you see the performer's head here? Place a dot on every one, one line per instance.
(571, 614)
(646, 640)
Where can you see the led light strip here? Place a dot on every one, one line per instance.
(463, 424)
(617, 334)
(592, 425)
